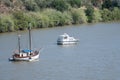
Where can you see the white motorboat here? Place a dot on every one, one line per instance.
(66, 39)
(25, 54)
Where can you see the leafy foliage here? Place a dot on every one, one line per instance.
(89, 13)
(78, 16)
(6, 23)
(116, 14)
(97, 16)
(31, 5)
(60, 5)
(50, 13)
(44, 3)
(21, 20)
(110, 4)
(106, 15)
(75, 3)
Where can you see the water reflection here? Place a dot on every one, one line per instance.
(69, 45)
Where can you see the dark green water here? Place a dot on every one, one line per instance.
(95, 57)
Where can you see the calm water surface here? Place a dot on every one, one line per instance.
(95, 57)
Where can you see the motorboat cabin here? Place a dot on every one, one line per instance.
(66, 39)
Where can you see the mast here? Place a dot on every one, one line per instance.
(19, 43)
(29, 28)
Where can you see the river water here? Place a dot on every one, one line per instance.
(95, 57)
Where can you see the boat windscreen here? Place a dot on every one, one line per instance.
(26, 50)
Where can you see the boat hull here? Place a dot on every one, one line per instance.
(25, 58)
(66, 42)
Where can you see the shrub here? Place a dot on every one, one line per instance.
(96, 16)
(78, 16)
(21, 20)
(53, 15)
(31, 5)
(106, 15)
(116, 14)
(8, 3)
(44, 3)
(75, 3)
(89, 13)
(6, 23)
(60, 5)
(44, 21)
(67, 18)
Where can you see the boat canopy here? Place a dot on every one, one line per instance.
(26, 50)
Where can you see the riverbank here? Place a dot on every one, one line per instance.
(64, 13)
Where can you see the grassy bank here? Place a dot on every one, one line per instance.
(53, 13)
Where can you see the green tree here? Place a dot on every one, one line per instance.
(67, 18)
(8, 3)
(44, 3)
(116, 14)
(31, 5)
(97, 3)
(6, 23)
(89, 13)
(53, 15)
(60, 5)
(97, 16)
(78, 16)
(110, 4)
(44, 21)
(75, 3)
(106, 15)
(36, 16)
(85, 2)
(21, 20)
(39, 20)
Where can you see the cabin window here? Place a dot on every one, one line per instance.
(65, 37)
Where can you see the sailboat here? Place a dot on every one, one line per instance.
(25, 54)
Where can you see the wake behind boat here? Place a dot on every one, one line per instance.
(66, 39)
(25, 54)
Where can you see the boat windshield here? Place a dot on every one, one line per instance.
(65, 37)
(26, 50)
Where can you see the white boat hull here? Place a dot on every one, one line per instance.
(25, 58)
(66, 42)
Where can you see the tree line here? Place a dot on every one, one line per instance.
(51, 13)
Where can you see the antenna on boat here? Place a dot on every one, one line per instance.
(29, 28)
